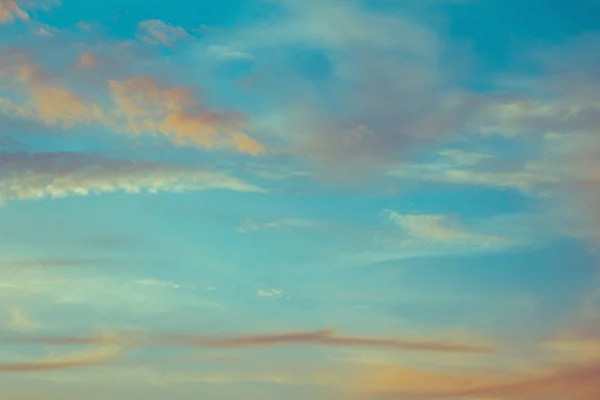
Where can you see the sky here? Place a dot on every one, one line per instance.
(299, 199)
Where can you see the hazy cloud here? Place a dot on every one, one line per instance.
(158, 32)
(20, 321)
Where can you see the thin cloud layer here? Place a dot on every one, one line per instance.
(478, 141)
(56, 175)
(158, 32)
(149, 105)
(381, 92)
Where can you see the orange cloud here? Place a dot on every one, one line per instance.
(149, 105)
(10, 11)
(576, 381)
(328, 338)
(47, 99)
(140, 105)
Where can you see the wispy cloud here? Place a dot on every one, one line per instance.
(79, 359)
(20, 321)
(438, 228)
(11, 11)
(158, 32)
(51, 262)
(531, 177)
(56, 175)
(150, 105)
(382, 72)
(269, 293)
(251, 225)
(327, 338)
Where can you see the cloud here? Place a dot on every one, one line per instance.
(382, 93)
(46, 98)
(21, 322)
(269, 293)
(93, 290)
(11, 11)
(326, 338)
(87, 61)
(158, 32)
(149, 105)
(61, 174)
(137, 104)
(79, 359)
(439, 228)
(573, 381)
(250, 225)
(51, 262)
(563, 98)
(464, 158)
(458, 167)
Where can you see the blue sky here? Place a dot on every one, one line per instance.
(313, 199)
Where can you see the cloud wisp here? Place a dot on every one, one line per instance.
(136, 104)
(325, 338)
(78, 359)
(61, 174)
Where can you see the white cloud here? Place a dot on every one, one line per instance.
(250, 225)
(158, 32)
(269, 293)
(56, 175)
(438, 228)
(474, 169)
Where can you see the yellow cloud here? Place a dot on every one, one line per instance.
(149, 105)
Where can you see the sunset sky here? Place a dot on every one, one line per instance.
(299, 199)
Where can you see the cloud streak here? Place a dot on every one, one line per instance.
(326, 338)
(61, 174)
(80, 359)
(382, 93)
